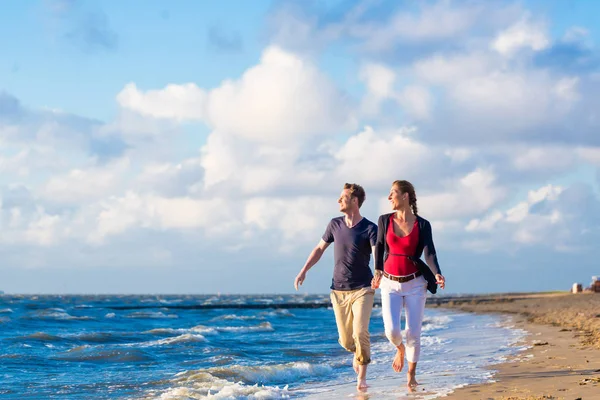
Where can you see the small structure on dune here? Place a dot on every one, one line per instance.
(594, 286)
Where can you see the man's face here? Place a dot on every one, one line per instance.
(346, 201)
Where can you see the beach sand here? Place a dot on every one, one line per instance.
(563, 361)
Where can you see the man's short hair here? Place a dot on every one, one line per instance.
(356, 191)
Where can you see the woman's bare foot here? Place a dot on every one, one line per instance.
(412, 383)
(361, 378)
(398, 362)
(355, 365)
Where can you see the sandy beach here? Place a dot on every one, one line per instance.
(563, 360)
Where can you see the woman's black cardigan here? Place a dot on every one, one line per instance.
(425, 246)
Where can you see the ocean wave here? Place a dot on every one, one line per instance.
(262, 327)
(230, 317)
(185, 338)
(207, 330)
(38, 336)
(151, 315)
(100, 354)
(56, 314)
(281, 312)
(436, 323)
(225, 390)
(95, 337)
(270, 374)
(6, 311)
(434, 341)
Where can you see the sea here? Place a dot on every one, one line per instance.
(226, 347)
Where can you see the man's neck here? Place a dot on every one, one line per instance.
(352, 218)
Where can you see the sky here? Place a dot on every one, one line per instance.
(200, 147)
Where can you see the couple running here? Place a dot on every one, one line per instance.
(397, 242)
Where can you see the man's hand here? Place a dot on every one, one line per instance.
(299, 279)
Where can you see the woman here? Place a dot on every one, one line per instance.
(402, 237)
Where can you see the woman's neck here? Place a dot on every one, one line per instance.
(404, 214)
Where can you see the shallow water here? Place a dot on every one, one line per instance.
(185, 347)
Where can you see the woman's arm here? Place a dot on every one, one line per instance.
(380, 244)
(429, 250)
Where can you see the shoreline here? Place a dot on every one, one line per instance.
(562, 358)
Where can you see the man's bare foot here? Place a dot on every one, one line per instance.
(412, 383)
(398, 362)
(361, 384)
(355, 365)
(361, 378)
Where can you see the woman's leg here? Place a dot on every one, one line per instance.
(414, 301)
(391, 308)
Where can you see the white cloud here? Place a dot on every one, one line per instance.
(520, 225)
(379, 81)
(117, 215)
(440, 21)
(296, 220)
(283, 97)
(446, 70)
(378, 158)
(85, 184)
(555, 158)
(284, 93)
(416, 101)
(522, 34)
(470, 195)
(179, 102)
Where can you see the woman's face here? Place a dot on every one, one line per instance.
(397, 198)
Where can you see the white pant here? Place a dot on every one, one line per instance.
(411, 296)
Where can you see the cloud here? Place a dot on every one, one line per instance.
(469, 195)
(520, 35)
(178, 102)
(83, 185)
(554, 217)
(389, 29)
(379, 81)
(283, 93)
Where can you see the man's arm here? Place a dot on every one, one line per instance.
(313, 258)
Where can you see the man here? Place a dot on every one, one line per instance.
(354, 239)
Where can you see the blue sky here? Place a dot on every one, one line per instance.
(199, 147)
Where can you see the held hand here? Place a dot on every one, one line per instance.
(440, 280)
(299, 279)
(376, 281)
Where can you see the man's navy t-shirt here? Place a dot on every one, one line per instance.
(352, 253)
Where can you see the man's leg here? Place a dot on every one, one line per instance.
(362, 306)
(342, 308)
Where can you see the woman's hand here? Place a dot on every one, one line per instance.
(440, 280)
(376, 279)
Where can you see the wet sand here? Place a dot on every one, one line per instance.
(563, 361)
